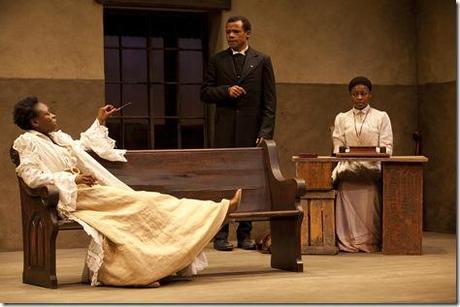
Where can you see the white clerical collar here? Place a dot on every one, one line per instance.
(365, 110)
(243, 52)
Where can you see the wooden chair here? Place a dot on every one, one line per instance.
(195, 173)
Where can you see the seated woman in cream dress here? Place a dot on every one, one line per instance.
(358, 201)
(137, 237)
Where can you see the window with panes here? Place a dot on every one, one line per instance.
(154, 61)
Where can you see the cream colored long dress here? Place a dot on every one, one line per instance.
(358, 203)
(137, 237)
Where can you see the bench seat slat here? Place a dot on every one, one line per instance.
(260, 214)
(68, 225)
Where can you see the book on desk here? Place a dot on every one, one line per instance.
(362, 151)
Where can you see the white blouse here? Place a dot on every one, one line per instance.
(367, 127)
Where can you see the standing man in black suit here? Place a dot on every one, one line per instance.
(241, 83)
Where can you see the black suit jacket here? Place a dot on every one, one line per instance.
(239, 121)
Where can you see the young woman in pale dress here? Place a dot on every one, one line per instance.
(358, 201)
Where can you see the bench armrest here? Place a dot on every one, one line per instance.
(49, 194)
(285, 193)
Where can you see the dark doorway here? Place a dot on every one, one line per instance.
(155, 60)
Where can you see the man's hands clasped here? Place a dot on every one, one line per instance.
(236, 91)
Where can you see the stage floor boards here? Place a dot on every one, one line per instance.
(246, 277)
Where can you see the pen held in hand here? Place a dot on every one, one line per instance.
(125, 105)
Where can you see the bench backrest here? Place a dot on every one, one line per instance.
(199, 173)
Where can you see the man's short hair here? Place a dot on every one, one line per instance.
(24, 112)
(244, 20)
(360, 80)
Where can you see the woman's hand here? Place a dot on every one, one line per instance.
(87, 179)
(105, 112)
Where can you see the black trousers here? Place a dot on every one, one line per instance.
(242, 232)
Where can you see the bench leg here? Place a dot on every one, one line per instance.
(286, 246)
(39, 253)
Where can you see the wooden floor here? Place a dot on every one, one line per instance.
(246, 277)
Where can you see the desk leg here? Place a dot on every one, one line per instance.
(318, 224)
(402, 208)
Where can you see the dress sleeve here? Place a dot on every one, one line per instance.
(338, 135)
(97, 139)
(386, 134)
(33, 173)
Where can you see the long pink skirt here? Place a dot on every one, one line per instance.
(358, 216)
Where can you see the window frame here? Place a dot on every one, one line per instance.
(150, 117)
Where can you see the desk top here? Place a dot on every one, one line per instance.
(405, 159)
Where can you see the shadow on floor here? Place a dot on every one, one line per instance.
(237, 273)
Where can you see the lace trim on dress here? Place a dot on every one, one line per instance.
(97, 139)
(95, 254)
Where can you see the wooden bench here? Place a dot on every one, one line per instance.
(196, 173)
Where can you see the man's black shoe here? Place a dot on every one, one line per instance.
(247, 244)
(223, 245)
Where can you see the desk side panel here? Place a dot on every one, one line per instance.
(402, 208)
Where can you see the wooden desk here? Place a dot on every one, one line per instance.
(402, 178)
